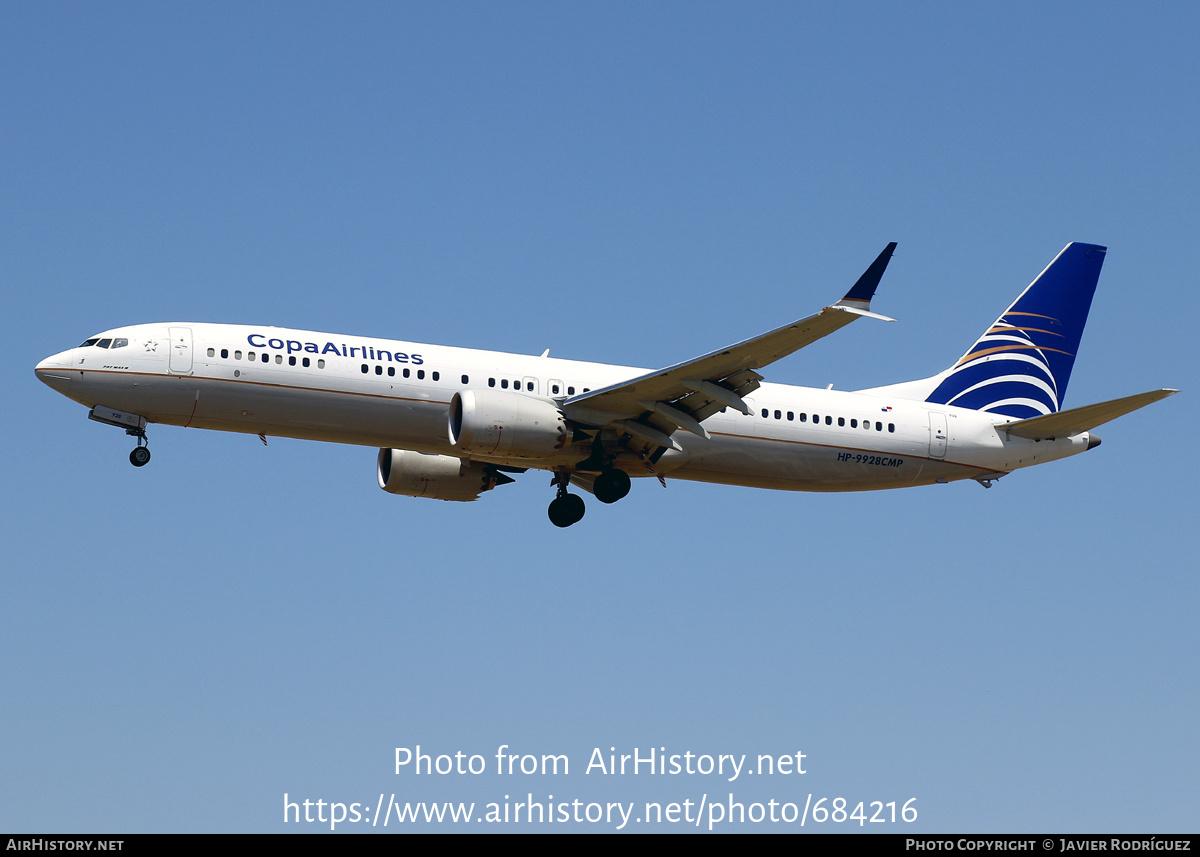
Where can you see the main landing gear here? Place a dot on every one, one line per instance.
(566, 509)
(611, 485)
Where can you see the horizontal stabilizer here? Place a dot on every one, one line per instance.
(1076, 420)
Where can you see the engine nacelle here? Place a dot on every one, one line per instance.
(506, 425)
(438, 477)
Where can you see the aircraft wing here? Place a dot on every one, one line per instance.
(653, 406)
(1077, 420)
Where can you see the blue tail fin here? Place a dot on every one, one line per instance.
(1021, 365)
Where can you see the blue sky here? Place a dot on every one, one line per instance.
(185, 643)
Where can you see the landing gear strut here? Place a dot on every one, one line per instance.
(565, 509)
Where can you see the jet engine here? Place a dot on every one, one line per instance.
(438, 477)
(499, 424)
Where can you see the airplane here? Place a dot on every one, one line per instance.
(454, 423)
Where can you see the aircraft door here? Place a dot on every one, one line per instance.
(937, 434)
(181, 350)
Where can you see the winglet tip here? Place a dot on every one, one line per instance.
(864, 289)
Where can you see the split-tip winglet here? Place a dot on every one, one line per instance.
(858, 299)
(863, 290)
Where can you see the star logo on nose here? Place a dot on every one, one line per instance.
(151, 345)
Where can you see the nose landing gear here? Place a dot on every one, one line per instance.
(134, 425)
(140, 456)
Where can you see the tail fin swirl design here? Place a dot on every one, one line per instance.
(1021, 365)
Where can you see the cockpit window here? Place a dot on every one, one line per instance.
(120, 343)
(88, 342)
(104, 343)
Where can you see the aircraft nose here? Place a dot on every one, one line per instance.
(53, 371)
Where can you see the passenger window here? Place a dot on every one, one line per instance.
(791, 416)
(266, 358)
(853, 423)
(250, 356)
(554, 389)
(292, 360)
(842, 422)
(570, 391)
(321, 363)
(804, 418)
(406, 373)
(892, 428)
(378, 370)
(465, 380)
(224, 353)
(421, 374)
(237, 355)
(878, 426)
(364, 369)
(764, 413)
(504, 383)
(306, 362)
(212, 352)
(778, 415)
(491, 382)
(829, 421)
(437, 376)
(391, 371)
(279, 359)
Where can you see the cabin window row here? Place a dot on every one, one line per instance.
(405, 372)
(816, 419)
(530, 386)
(254, 357)
(516, 384)
(525, 385)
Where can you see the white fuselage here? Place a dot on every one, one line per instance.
(394, 394)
